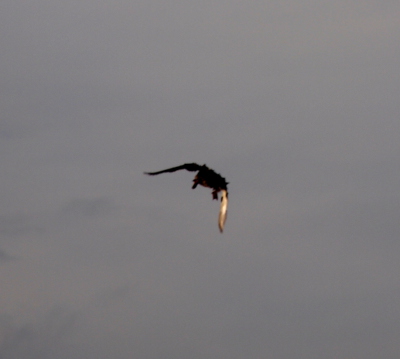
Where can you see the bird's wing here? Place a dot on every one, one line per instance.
(187, 166)
(223, 211)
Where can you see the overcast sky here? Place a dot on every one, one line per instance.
(295, 103)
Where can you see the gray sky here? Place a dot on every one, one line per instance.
(295, 103)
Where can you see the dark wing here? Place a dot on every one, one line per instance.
(192, 167)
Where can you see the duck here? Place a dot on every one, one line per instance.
(205, 177)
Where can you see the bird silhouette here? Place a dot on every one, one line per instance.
(206, 177)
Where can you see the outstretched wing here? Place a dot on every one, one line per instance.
(223, 211)
(193, 167)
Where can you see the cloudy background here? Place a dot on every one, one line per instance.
(295, 103)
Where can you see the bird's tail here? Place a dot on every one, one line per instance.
(223, 211)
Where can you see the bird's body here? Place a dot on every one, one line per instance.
(206, 177)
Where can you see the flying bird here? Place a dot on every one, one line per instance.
(206, 177)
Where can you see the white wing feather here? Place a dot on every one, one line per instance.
(223, 210)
